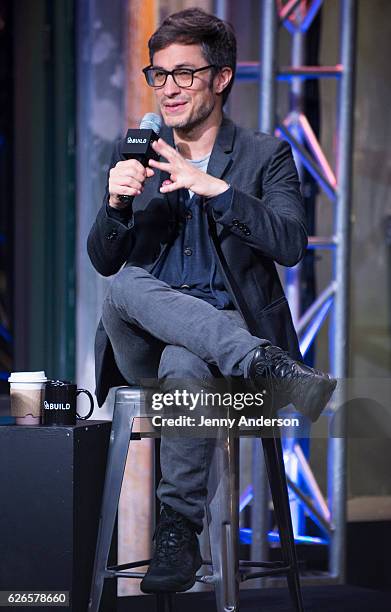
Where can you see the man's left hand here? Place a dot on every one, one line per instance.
(183, 175)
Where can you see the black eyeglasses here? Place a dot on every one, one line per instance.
(183, 77)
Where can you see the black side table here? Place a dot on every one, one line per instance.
(51, 484)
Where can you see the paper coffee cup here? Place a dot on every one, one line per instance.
(27, 389)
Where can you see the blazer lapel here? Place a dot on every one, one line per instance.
(173, 196)
(221, 158)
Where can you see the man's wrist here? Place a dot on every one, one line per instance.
(119, 213)
(219, 187)
(115, 202)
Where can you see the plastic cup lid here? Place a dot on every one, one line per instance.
(27, 377)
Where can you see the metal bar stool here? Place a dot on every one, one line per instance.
(227, 571)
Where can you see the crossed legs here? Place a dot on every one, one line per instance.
(158, 333)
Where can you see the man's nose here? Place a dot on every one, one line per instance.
(170, 87)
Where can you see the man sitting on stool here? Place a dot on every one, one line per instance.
(172, 311)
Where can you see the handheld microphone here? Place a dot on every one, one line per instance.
(138, 144)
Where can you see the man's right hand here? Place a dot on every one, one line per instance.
(127, 178)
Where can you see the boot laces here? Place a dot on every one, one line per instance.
(170, 536)
(275, 360)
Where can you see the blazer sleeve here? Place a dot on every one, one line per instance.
(275, 223)
(111, 237)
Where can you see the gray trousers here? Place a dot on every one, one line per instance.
(178, 338)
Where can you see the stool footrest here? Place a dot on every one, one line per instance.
(125, 574)
(124, 566)
(271, 572)
(269, 564)
(273, 566)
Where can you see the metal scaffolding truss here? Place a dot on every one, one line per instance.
(297, 16)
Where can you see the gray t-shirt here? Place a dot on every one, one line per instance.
(201, 164)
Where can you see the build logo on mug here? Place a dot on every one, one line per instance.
(59, 403)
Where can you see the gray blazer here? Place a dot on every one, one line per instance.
(265, 223)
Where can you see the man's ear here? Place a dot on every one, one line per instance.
(222, 79)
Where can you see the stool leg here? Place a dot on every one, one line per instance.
(223, 522)
(121, 430)
(276, 472)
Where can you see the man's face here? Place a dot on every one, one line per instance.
(185, 107)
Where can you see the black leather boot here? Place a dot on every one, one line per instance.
(176, 557)
(289, 381)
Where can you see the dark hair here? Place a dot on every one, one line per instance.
(195, 26)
